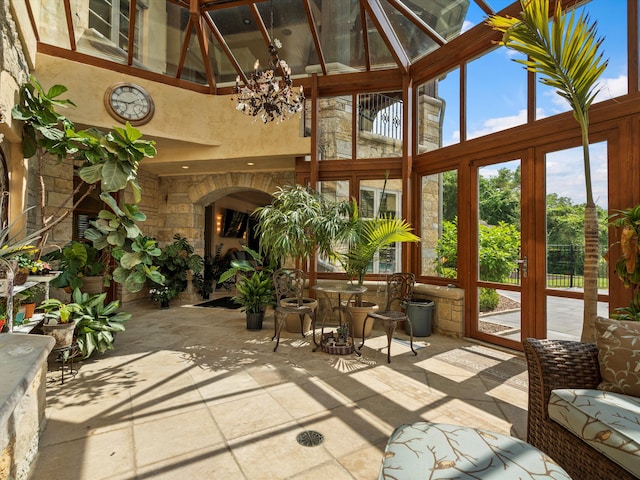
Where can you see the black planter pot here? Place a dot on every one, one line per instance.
(254, 320)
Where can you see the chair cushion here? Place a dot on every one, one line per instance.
(609, 422)
(618, 344)
(441, 451)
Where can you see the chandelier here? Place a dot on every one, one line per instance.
(266, 96)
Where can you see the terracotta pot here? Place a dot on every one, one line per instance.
(292, 322)
(358, 314)
(29, 309)
(62, 333)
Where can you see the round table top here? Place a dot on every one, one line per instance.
(343, 287)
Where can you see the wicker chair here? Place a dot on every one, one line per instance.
(554, 364)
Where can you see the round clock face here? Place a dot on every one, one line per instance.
(127, 102)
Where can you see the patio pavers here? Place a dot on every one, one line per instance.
(189, 392)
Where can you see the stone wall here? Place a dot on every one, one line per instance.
(14, 71)
(448, 316)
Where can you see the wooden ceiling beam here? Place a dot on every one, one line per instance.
(314, 33)
(70, 29)
(185, 47)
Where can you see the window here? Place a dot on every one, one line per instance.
(376, 199)
(111, 19)
(379, 125)
(438, 111)
(439, 225)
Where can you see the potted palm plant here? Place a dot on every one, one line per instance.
(367, 237)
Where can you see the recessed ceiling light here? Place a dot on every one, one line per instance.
(251, 164)
(246, 21)
(186, 167)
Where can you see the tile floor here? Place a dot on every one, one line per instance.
(190, 393)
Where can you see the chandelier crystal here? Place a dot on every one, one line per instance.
(266, 96)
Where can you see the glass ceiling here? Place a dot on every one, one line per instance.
(221, 39)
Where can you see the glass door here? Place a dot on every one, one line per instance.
(565, 197)
(500, 263)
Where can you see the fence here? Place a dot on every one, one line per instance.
(565, 267)
(380, 114)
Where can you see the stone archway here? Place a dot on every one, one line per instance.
(186, 198)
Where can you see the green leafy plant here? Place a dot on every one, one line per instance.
(175, 260)
(369, 236)
(99, 323)
(298, 222)
(76, 260)
(109, 160)
(627, 266)
(255, 292)
(96, 323)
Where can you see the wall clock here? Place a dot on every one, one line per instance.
(128, 102)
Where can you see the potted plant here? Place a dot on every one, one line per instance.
(175, 261)
(162, 294)
(94, 323)
(205, 282)
(29, 298)
(627, 266)
(81, 265)
(60, 320)
(254, 288)
(109, 161)
(98, 323)
(255, 293)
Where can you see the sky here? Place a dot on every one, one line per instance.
(499, 101)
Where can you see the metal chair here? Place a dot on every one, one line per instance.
(399, 289)
(289, 287)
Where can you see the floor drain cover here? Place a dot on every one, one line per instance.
(310, 438)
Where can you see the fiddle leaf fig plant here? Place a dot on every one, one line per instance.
(108, 161)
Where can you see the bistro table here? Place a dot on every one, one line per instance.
(339, 288)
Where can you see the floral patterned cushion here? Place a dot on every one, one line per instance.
(609, 422)
(618, 344)
(440, 451)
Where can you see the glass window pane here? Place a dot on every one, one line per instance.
(384, 200)
(333, 191)
(439, 112)
(439, 229)
(495, 102)
(339, 26)
(290, 26)
(379, 125)
(612, 27)
(499, 222)
(565, 198)
(335, 127)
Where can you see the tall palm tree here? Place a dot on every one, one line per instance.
(565, 52)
